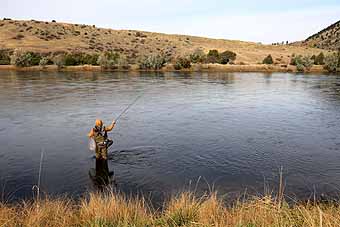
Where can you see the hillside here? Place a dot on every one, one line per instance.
(41, 36)
(328, 38)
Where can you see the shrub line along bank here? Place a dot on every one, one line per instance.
(198, 60)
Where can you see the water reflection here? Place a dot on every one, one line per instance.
(101, 177)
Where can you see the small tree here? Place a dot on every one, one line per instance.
(302, 63)
(25, 59)
(108, 60)
(5, 58)
(123, 62)
(90, 59)
(332, 62)
(320, 59)
(44, 61)
(59, 60)
(213, 56)
(155, 62)
(268, 60)
(307, 62)
(198, 56)
(182, 62)
(227, 57)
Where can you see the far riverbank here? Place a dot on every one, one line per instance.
(170, 68)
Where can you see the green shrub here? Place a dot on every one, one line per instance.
(198, 56)
(90, 59)
(108, 60)
(59, 60)
(332, 62)
(307, 62)
(155, 62)
(72, 59)
(5, 57)
(25, 59)
(227, 57)
(44, 61)
(268, 60)
(300, 67)
(302, 63)
(320, 59)
(123, 63)
(182, 63)
(213, 56)
(296, 59)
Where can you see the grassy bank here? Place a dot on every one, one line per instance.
(169, 68)
(182, 210)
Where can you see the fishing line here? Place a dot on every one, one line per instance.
(129, 106)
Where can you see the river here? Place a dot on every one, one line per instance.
(231, 132)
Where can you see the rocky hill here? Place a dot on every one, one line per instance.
(328, 38)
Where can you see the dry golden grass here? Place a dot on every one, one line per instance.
(54, 37)
(182, 210)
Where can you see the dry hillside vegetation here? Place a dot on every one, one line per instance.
(328, 38)
(48, 37)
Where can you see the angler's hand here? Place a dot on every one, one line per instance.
(113, 122)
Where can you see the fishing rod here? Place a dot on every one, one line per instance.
(129, 106)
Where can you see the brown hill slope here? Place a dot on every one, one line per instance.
(53, 37)
(328, 38)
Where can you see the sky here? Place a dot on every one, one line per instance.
(265, 21)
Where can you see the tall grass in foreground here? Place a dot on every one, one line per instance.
(183, 210)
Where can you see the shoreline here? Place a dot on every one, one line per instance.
(183, 209)
(169, 68)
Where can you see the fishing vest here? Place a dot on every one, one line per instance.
(100, 135)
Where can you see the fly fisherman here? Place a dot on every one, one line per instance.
(99, 135)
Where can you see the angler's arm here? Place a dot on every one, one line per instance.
(108, 129)
(91, 133)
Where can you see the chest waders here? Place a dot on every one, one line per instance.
(102, 142)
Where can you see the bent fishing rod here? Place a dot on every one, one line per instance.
(129, 106)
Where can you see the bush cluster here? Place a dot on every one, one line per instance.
(319, 60)
(268, 60)
(25, 59)
(302, 63)
(198, 56)
(225, 57)
(182, 63)
(5, 57)
(73, 59)
(155, 62)
(332, 62)
(108, 60)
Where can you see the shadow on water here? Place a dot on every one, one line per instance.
(101, 176)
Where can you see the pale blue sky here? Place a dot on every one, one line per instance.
(259, 21)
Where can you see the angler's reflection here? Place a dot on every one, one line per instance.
(101, 176)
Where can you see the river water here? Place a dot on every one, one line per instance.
(231, 132)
